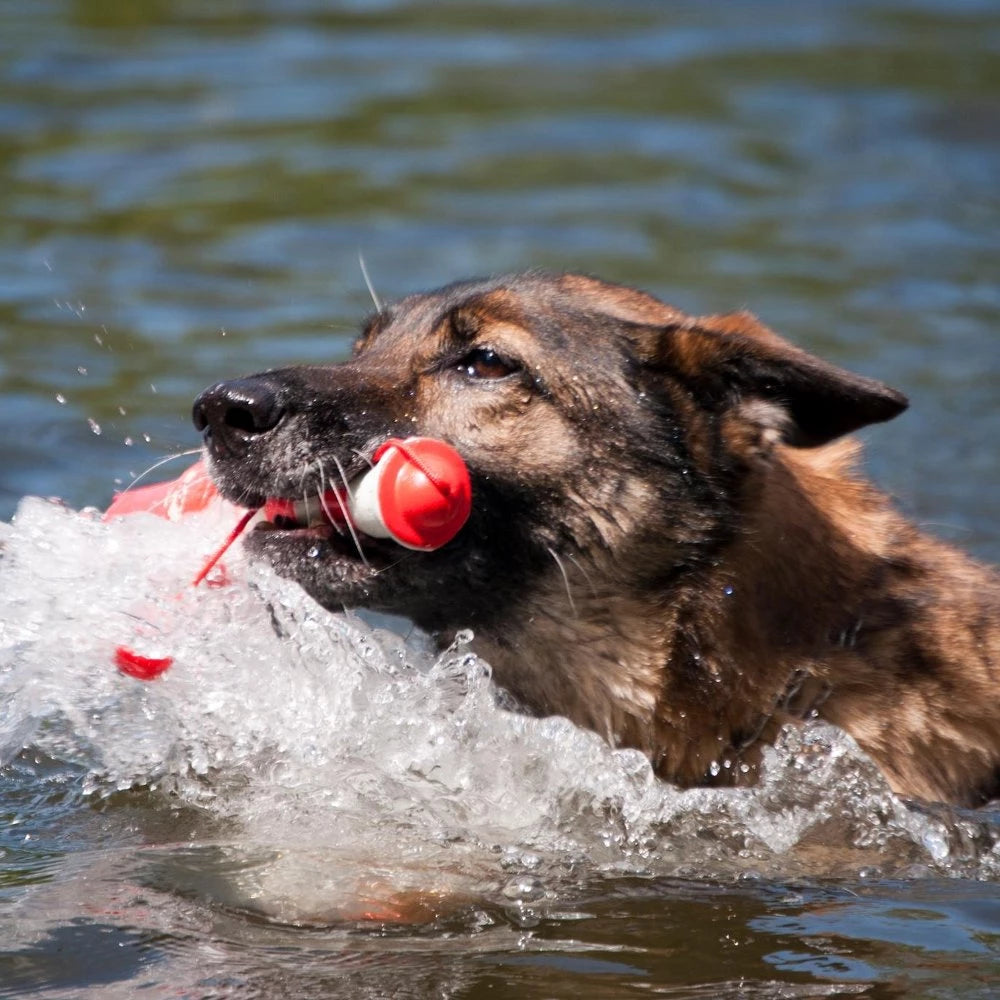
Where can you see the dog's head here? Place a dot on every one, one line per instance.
(600, 427)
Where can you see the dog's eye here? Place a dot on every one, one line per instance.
(485, 363)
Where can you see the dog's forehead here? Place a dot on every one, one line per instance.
(620, 302)
(531, 300)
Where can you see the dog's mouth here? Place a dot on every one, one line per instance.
(320, 514)
(316, 516)
(415, 496)
(315, 528)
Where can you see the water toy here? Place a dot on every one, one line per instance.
(417, 493)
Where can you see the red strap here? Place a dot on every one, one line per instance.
(221, 551)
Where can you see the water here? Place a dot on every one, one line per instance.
(299, 781)
(304, 805)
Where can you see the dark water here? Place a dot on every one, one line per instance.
(185, 189)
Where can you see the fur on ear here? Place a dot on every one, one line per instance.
(733, 357)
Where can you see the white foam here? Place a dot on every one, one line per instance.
(319, 736)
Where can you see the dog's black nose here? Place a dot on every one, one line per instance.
(232, 414)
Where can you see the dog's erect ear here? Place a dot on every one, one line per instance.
(725, 359)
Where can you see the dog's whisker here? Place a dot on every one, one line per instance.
(307, 476)
(304, 484)
(246, 499)
(156, 465)
(392, 565)
(343, 475)
(368, 282)
(590, 583)
(330, 516)
(562, 570)
(344, 511)
(324, 486)
(364, 457)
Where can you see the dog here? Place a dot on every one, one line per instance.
(668, 542)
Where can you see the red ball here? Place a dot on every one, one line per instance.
(424, 491)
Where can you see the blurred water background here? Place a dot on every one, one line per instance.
(185, 189)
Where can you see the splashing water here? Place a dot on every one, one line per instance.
(339, 767)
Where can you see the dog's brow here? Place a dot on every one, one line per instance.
(498, 304)
(460, 323)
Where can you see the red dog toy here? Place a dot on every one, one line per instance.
(417, 493)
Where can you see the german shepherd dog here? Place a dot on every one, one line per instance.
(667, 545)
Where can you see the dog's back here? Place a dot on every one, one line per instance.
(877, 628)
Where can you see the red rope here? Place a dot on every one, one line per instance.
(221, 551)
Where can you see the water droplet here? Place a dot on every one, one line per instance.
(523, 887)
(313, 552)
(60, 399)
(94, 425)
(129, 442)
(121, 410)
(713, 768)
(728, 591)
(81, 370)
(936, 843)
(153, 389)
(146, 438)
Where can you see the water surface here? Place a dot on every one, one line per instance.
(185, 194)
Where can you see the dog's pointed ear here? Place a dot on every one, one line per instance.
(727, 359)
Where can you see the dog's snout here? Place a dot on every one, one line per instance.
(232, 414)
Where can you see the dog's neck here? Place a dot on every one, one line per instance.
(693, 673)
(806, 611)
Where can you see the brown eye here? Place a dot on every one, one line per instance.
(485, 363)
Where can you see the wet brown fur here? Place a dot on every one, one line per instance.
(669, 543)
